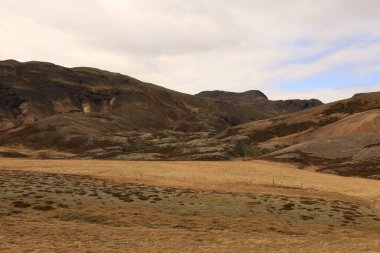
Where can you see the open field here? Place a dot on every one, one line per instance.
(121, 206)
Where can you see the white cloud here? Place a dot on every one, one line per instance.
(201, 44)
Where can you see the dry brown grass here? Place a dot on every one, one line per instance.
(182, 207)
(238, 176)
(96, 238)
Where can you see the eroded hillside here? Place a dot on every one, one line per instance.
(92, 113)
(48, 111)
(33, 91)
(341, 137)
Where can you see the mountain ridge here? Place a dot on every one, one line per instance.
(34, 90)
(49, 111)
(257, 97)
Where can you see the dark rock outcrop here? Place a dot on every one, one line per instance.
(256, 98)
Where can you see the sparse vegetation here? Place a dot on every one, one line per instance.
(116, 211)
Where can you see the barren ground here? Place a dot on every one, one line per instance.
(121, 206)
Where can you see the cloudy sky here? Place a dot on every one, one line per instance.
(327, 49)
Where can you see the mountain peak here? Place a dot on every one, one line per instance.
(249, 96)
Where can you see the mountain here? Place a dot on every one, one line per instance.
(251, 96)
(256, 97)
(49, 111)
(44, 106)
(342, 137)
(32, 91)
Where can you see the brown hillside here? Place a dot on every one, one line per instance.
(93, 113)
(33, 91)
(341, 137)
(48, 111)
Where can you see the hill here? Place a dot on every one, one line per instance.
(49, 111)
(341, 137)
(256, 97)
(74, 110)
(33, 91)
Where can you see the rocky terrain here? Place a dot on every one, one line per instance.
(341, 137)
(49, 111)
(94, 113)
(32, 91)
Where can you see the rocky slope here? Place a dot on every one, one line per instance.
(48, 111)
(78, 110)
(33, 91)
(341, 137)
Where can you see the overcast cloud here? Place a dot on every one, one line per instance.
(328, 49)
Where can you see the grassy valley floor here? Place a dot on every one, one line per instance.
(121, 206)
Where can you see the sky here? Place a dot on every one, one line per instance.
(325, 49)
